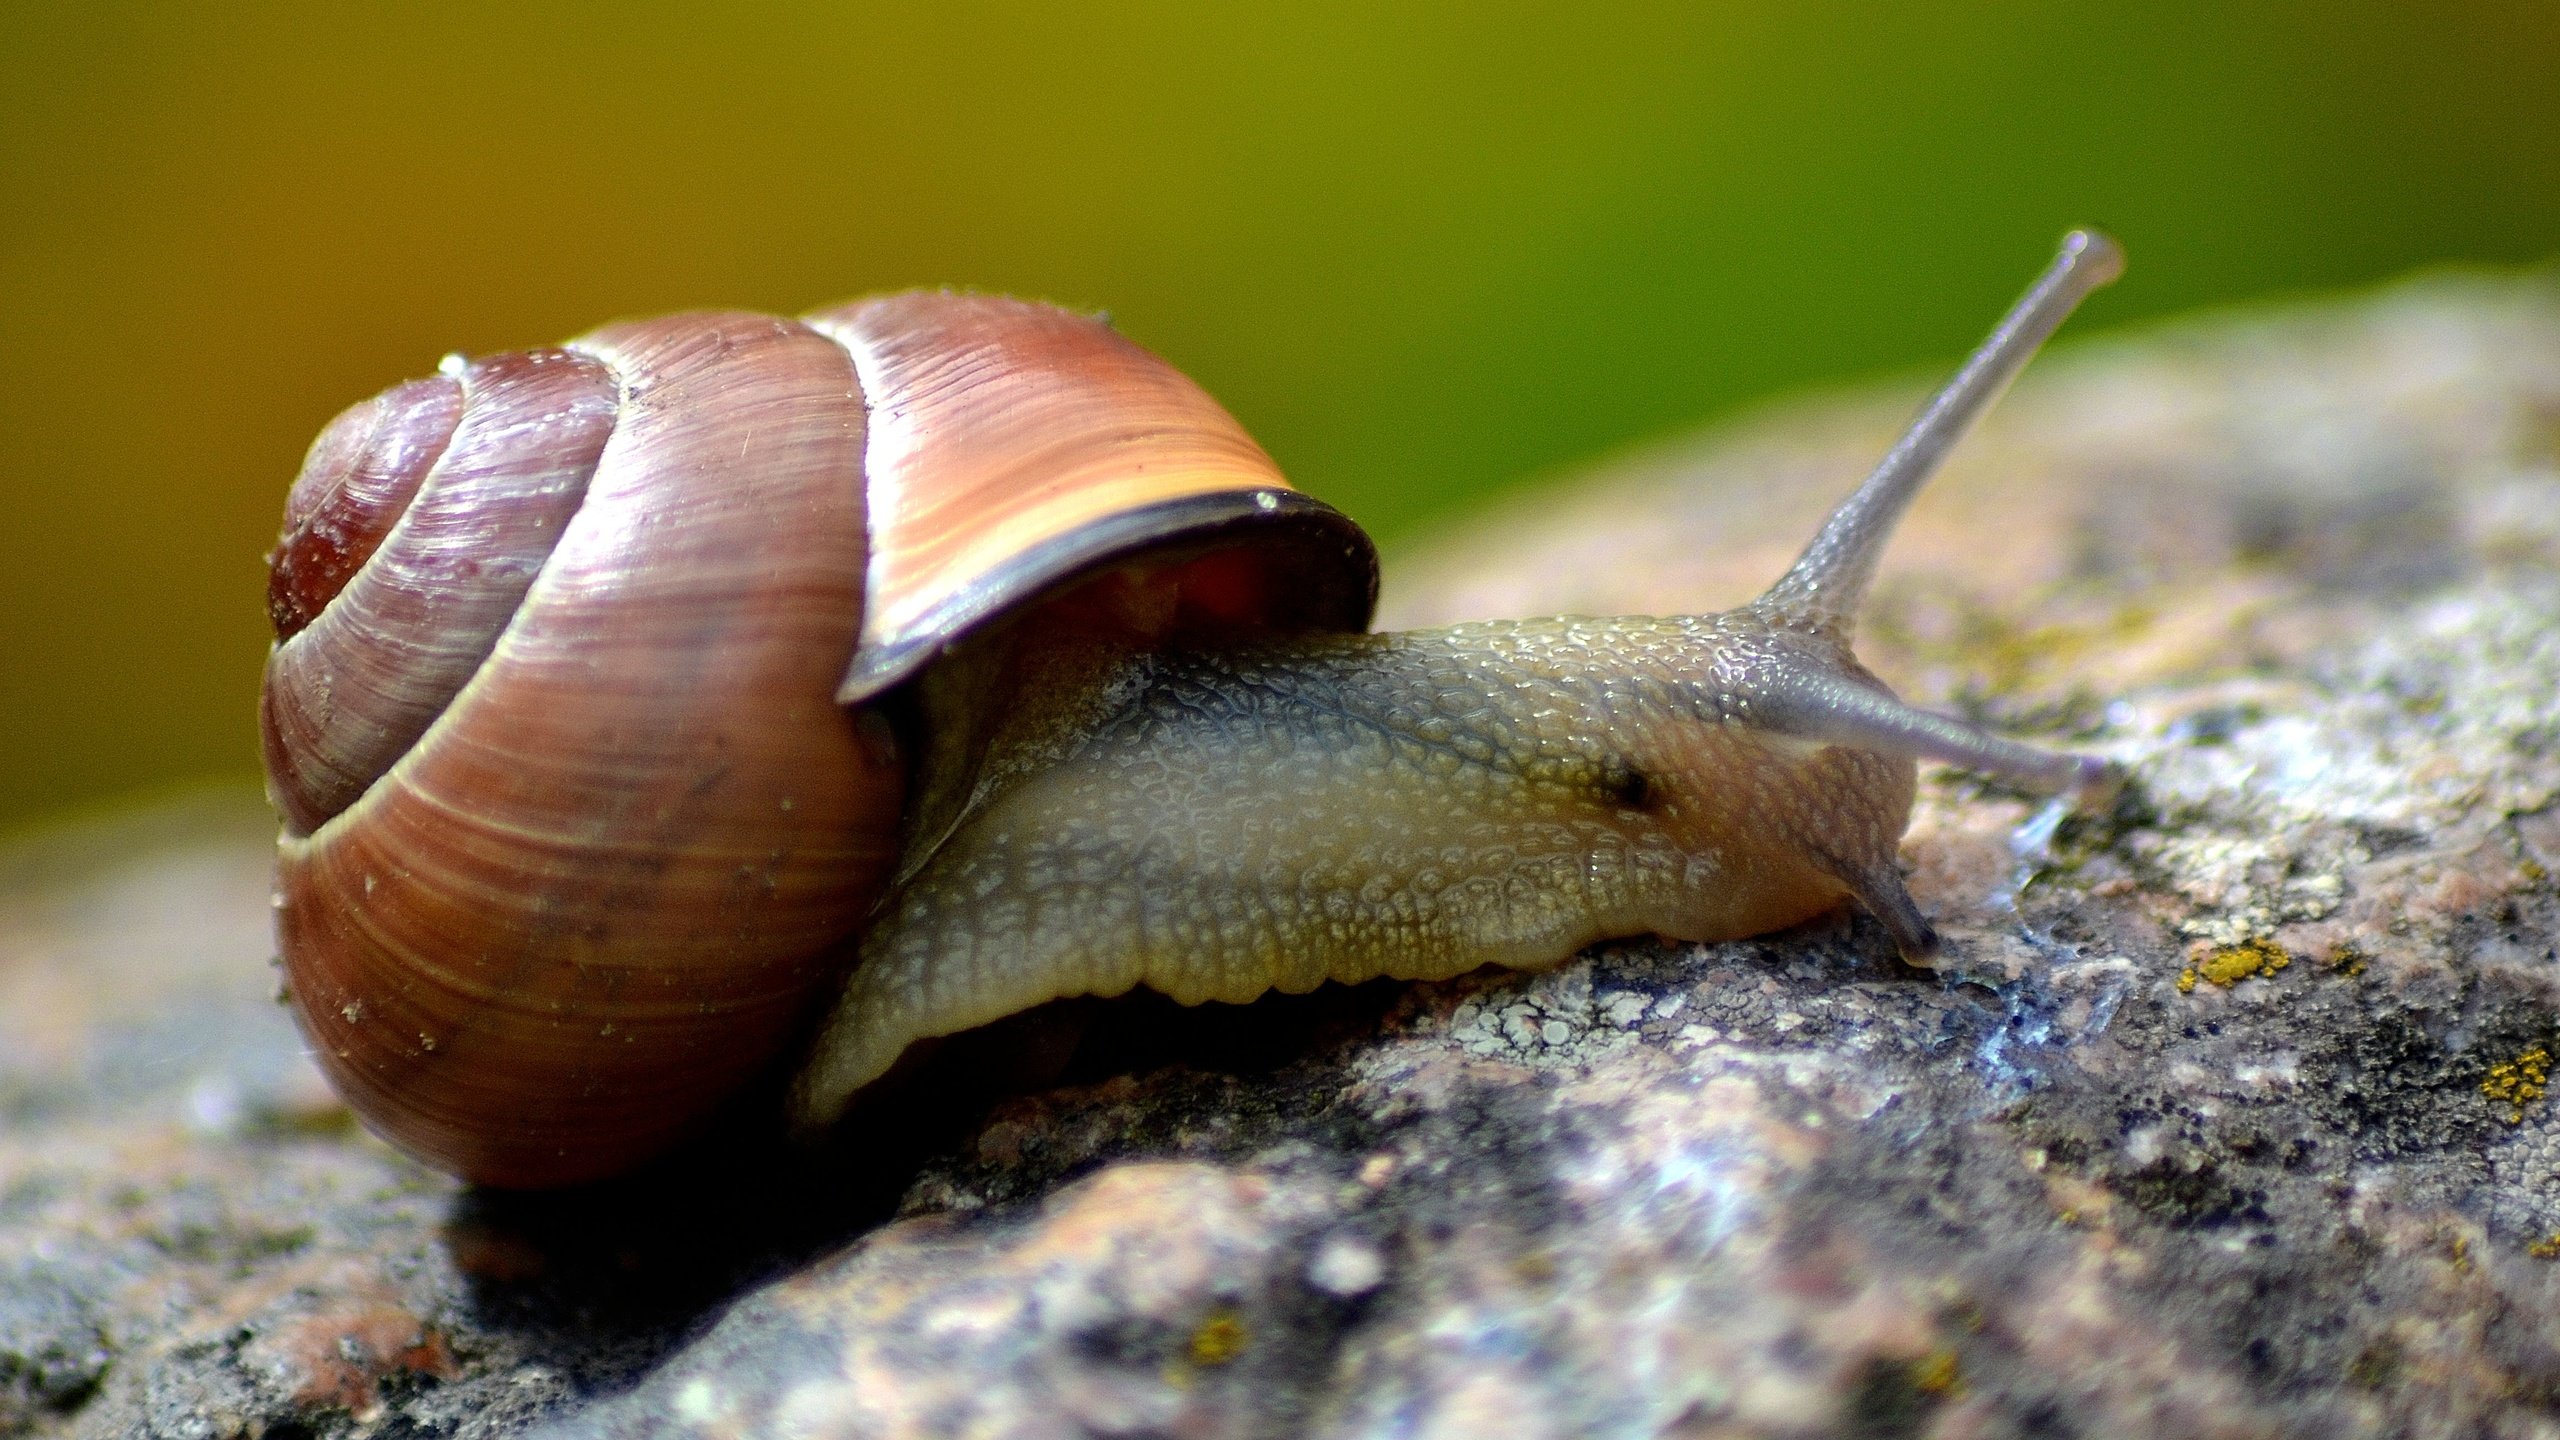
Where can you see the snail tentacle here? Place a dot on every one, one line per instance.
(1828, 581)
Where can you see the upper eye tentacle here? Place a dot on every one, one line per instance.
(1823, 589)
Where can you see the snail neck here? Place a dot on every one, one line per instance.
(1001, 704)
(1021, 693)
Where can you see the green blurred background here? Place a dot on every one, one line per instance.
(1422, 252)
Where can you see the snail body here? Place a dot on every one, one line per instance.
(1349, 807)
(1073, 680)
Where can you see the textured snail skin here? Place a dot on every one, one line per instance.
(1409, 806)
(1412, 806)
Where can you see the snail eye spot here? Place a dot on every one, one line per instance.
(1626, 787)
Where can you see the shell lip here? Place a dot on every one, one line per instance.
(1337, 555)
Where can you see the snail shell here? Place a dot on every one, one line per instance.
(576, 826)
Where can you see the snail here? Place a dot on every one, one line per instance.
(625, 692)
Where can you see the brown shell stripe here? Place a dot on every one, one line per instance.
(1007, 439)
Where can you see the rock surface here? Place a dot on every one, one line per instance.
(2224, 1115)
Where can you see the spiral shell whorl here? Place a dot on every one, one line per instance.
(388, 635)
(639, 795)
(355, 484)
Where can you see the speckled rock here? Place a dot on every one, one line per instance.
(2224, 1115)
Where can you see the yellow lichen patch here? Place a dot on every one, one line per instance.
(2518, 1083)
(2228, 965)
(1220, 1338)
(1938, 1373)
(2546, 1248)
